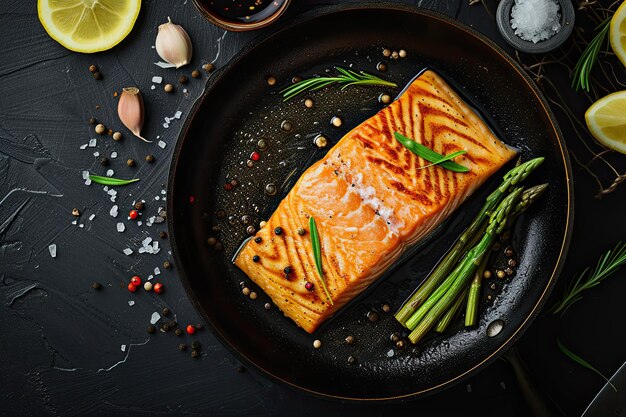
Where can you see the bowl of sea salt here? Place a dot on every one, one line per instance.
(535, 26)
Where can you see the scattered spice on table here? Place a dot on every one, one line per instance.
(158, 288)
(183, 79)
(191, 329)
(100, 129)
(195, 74)
(96, 285)
(117, 136)
(168, 88)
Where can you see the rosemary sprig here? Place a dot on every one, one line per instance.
(582, 70)
(430, 155)
(111, 181)
(582, 362)
(317, 254)
(608, 263)
(346, 77)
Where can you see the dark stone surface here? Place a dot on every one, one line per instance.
(61, 344)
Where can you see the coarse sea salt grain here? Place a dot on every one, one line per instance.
(75, 222)
(88, 181)
(113, 211)
(157, 271)
(165, 125)
(92, 143)
(156, 79)
(85, 175)
(152, 87)
(139, 223)
(535, 20)
(178, 114)
(84, 146)
(81, 225)
(53, 250)
(113, 155)
(93, 216)
(110, 173)
(123, 348)
(155, 317)
(96, 154)
(131, 303)
(162, 144)
(121, 227)
(128, 251)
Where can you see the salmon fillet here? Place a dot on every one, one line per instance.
(370, 201)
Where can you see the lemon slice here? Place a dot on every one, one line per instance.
(606, 120)
(618, 33)
(88, 25)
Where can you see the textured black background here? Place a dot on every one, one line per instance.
(60, 340)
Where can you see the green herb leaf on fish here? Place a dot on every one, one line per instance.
(582, 362)
(346, 77)
(431, 156)
(111, 181)
(317, 254)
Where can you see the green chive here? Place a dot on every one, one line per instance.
(111, 181)
(430, 155)
(317, 254)
(582, 362)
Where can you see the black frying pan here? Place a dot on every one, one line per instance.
(238, 108)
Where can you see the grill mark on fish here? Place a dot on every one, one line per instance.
(414, 195)
(441, 128)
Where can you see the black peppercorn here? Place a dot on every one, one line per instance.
(218, 246)
(234, 182)
(149, 158)
(93, 121)
(178, 332)
(258, 239)
(386, 308)
(241, 369)
(509, 271)
(195, 345)
(93, 68)
(394, 337)
(139, 205)
(96, 285)
(278, 231)
(211, 241)
(166, 311)
(166, 327)
(400, 344)
(183, 79)
(509, 252)
(195, 73)
(163, 235)
(351, 360)
(130, 162)
(167, 265)
(182, 347)
(151, 329)
(97, 75)
(288, 270)
(372, 316)
(195, 353)
(104, 161)
(512, 263)
(256, 258)
(349, 340)
(199, 326)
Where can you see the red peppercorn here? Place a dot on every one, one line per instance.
(158, 288)
(228, 186)
(192, 199)
(191, 329)
(133, 214)
(132, 287)
(136, 280)
(309, 286)
(255, 156)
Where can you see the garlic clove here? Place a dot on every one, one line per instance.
(130, 111)
(173, 44)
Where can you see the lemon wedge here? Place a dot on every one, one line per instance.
(617, 33)
(606, 120)
(88, 25)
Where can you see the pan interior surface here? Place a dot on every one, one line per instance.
(218, 189)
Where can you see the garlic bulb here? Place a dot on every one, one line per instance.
(173, 44)
(130, 110)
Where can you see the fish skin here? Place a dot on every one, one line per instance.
(371, 200)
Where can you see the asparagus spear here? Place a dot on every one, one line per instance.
(511, 178)
(467, 267)
(445, 321)
(527, 198)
